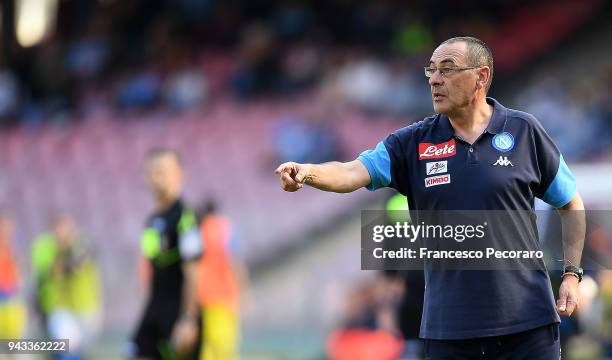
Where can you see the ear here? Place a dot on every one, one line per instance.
(483, 77)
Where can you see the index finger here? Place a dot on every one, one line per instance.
(282, 168)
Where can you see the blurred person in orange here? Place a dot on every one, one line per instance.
(68, 285)
(222, 276)
(12, 307)
(171, 245)
(370, 329)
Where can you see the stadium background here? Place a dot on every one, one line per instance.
(237, 87)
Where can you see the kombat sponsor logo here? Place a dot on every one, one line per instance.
(436, 151)
(437, 180)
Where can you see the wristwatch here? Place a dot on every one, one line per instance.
(573, 270)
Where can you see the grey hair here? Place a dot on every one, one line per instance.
(154, 153)
(478, 53)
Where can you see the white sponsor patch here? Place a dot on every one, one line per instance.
(436, 167)
(437, 180)
(190, 244)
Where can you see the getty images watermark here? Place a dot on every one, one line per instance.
(476, 240)
(409, 232)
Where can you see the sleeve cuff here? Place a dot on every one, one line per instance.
(563, 187)
(379, 166)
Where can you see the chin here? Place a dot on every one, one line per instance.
(440, 108)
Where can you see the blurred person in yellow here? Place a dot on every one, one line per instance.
(67, 285)
(12, 307)
(222, 275)
(171, 246)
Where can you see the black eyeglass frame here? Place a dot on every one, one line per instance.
(444, 71)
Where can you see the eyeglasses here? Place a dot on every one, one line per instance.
(429, 71)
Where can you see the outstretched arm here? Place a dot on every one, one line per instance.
(332, 176)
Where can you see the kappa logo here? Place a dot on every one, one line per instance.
(436, 167)
(503, 161)
(437, 180)
(436, 151)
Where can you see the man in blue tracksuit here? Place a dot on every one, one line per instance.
(474, 154)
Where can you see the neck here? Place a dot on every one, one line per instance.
(162, 203)
(473, 119)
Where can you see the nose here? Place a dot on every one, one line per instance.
(436, 79)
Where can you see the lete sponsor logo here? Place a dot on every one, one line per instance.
(437, 180)
(436, 151)
(436, 167)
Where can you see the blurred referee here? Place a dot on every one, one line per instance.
(473, 154)
(171, 243)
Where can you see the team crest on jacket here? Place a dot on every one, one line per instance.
(503, 142)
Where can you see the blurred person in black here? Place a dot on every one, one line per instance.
(170, 242)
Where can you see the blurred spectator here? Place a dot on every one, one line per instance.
(301, 66)
(184, 89)
(196, 11)
(370, 329)
(185, 85)
(68, 286)
(51, 92)
(9, 95)
(309, 138)
(292, 19)
(412, 37)
(562, 117)
(258, 65)
(605, 281)
(278, 49)
(374, 23)
(12, 307)
(604, 94)
(88, 56)
(222, 282)
(381, 86)
(365, 81)
(408, 93)
(140, 90)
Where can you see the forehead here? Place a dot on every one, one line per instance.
(63, 219)
(454, 52)
(165, 160)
